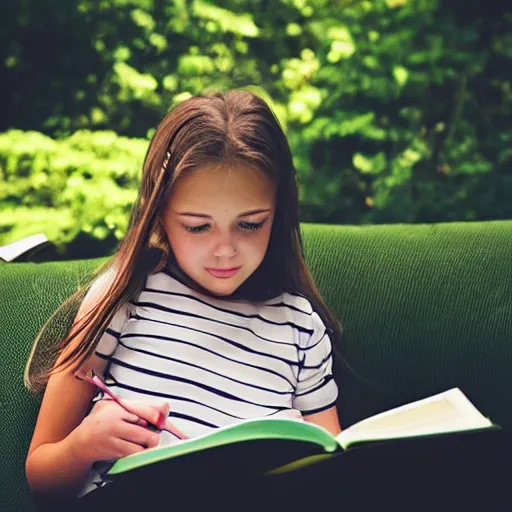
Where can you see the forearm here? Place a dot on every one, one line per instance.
(56, 469)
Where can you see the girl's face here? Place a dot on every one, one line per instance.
(218, 221)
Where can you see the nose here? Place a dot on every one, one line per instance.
(225, 247)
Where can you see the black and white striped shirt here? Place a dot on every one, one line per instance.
(218, 361)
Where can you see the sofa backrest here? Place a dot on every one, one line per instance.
(424, 308)
(29, 294)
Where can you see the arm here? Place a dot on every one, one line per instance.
(52, 463)
(327, 419)
(316, 391)
(64, 444)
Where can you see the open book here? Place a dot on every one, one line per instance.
(23, 249)
(260, 446)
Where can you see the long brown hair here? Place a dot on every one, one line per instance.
(236, 127)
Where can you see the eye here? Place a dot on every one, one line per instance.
(198, 229)
(251, 226)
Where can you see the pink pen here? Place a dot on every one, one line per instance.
(161, 424)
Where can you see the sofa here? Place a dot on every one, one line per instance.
(424, 308)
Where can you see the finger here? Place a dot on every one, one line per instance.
(141, 422)
(124, 448)
(133, 418)
(152, 413)
(109, 405)
(138, 435)
(169, 426)
(128, 410)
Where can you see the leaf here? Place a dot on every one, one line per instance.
(241, 24)
(293, 29)
(393, 4)
(142, 19)
(400, 74)
(130, 77)
(158, 41)
(362, 163)
(342, 44)
(195, 65)
(170, 82)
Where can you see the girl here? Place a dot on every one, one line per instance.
(207, 306)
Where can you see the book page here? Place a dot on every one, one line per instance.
(15, 249)
(446, 412)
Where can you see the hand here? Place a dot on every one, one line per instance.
(110, 432)
(290, 414)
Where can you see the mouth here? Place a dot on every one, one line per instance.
(223, 273)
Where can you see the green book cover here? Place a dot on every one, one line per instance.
(306, 437)
(258, 446)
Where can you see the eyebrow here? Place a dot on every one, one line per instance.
(204, 216)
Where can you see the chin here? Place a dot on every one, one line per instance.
(222, 291)
(222, 287)
(220, 294)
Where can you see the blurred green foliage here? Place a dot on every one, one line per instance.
(396, 110)
(83, 185)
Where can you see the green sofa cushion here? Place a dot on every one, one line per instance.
(30, 293)
(424, 308)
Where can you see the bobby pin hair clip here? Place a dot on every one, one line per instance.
(162, 422)
(165, 164)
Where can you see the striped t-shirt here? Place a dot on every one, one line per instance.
(216, 361)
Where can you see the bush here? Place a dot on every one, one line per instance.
(84, 185)
(396, 110)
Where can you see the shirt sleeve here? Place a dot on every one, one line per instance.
(316, 389)
(110, 338)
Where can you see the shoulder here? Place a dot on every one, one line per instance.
(291, 302)
(298, 311)
(98, 289)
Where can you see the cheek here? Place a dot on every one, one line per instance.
(257, 244)
(188, 247)
(182, 245)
